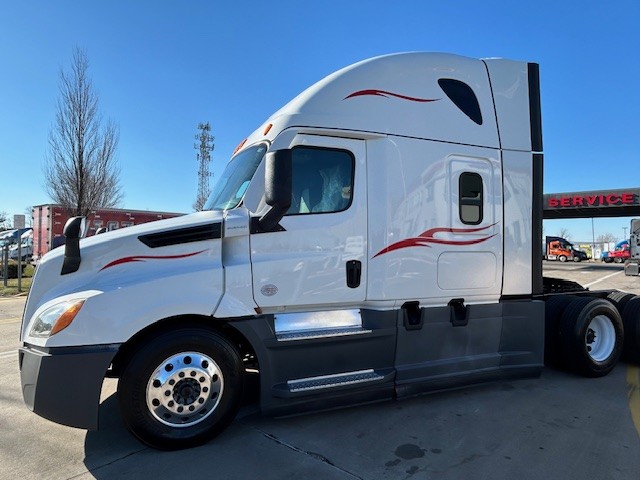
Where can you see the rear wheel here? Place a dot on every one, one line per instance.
(553, 309)
(618, 260)
(631, 321)
(591, 336)
(181, 388)
(619, 300)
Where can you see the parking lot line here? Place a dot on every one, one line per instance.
(603, 278)
(8, 354)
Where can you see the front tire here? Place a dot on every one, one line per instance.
(182, 388)
(562, 258)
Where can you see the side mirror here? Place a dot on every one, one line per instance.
(73, 230)
(277, 187)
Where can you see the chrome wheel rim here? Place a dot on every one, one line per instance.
(185, 389)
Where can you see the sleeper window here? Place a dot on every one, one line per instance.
(471, 198)
(322, 180)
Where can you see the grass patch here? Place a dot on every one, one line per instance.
(11, 287)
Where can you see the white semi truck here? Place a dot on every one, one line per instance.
(375, 238)
(632, 265)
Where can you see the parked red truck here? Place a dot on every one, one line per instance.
(620, 253)
(48, 223)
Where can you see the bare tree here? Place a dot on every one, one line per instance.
(606, 238)
(564, 233)
(81, 171)
(28, 215)
(4, 221)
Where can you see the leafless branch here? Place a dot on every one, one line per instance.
(81, 171)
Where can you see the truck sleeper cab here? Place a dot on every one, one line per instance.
(354, 250)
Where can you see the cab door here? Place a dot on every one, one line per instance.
(316, 257)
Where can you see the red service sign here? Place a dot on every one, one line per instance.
(592, 199)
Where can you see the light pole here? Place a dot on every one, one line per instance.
(624, 229)
(593, 241)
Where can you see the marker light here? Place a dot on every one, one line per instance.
(55, 318)
(240, 145)
(267, 128)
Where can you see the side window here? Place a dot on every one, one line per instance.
(471, 198)
(322, 180)
(112, 225)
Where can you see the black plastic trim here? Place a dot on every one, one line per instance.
(256, 227)
(535, 111)
(182, 235)
(536, 223)
(47, 378)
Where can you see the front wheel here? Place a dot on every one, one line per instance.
(618, 260)
(182, 388)
(562, 258)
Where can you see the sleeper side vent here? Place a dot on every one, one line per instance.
(463, 97)
(182, 235)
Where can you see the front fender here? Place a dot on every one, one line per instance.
(135, 295)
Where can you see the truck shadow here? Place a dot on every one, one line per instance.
(389, 439)
(591, 267)
(113, 442)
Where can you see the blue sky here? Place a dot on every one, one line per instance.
(162, 67)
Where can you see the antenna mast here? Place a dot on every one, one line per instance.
(204, 146)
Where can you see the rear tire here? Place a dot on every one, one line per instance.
(553, 309)
(631, 321)
(619, 300)
(591, 336)
(181, 388)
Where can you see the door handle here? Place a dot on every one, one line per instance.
(354, 272)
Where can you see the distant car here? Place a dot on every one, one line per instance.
(13, 236)
(604, 257)
(26, 250)
(7, 237)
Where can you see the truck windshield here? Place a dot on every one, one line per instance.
(230, 187)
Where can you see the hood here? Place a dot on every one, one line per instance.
(110, 260)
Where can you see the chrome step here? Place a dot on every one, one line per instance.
(320, 333)
(336, 380)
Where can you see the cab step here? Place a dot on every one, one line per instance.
(335, 380)
(321, 333)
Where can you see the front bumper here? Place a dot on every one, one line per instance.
(63, 384)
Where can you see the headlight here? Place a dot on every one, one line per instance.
(55, 318)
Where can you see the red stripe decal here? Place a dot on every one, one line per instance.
(383, 93)
(427, 237)
(142, 258)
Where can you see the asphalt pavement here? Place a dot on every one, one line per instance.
(558, 426)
